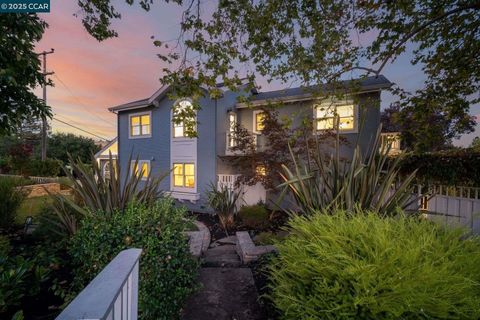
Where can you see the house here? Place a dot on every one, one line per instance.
(103, 155)
(146, 131)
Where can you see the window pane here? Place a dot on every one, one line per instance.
(189, 169)
(325, 111)
(135, 131)
(261, 170)
(259, 117)
(145, 169)
(146, 119)
(178, 168)
(178, 131)
(178, 180)
(346, 123)
(145, 129)
(134, 121)
(325, 124)
(190, 181)
(345, 111)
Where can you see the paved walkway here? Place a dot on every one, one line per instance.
(228, 290)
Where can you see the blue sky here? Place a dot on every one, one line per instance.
(91, 76)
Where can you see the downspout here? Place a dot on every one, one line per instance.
(216, 147)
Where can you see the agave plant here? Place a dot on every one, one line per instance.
(94, 192)
(369, 181)
(223, 201)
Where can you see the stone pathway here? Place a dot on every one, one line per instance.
(228, 290)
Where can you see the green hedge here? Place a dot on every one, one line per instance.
(455, 167)
(167, 270)
(367, 267)
(255, 217)
(11, 199)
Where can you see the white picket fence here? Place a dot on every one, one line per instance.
(112, 295)
(450, 205)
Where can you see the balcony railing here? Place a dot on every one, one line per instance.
(391, 139)
(112, 295)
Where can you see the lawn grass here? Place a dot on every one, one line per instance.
(32, 207)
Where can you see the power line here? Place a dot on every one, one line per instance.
(88, 132)
(81, 103)
(77, 123)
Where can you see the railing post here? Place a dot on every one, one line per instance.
(112, 294)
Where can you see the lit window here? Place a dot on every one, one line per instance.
(179, 128)
(258, 123)
(141, 168)
(232, 123)
(184, 175)
(260, 170)
(140, 125)
(326, 117)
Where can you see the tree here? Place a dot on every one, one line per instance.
(311, 42)
(20, 70)
(424, 127)
(475, 145)
(62, 144)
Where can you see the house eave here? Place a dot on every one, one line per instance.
(303, 97)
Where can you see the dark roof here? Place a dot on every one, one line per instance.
(366, 84)
(130, 105)
(373, 83)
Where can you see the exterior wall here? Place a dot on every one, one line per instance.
(160, 150)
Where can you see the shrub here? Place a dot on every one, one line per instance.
(167, 270)
(267, 238)
(255, 217)
(19, 277)
(223, 201)
(98, 193)
(363, 266)
(330, 182)
(46, 168)
(11, 198)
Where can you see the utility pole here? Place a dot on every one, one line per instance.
(44, 119)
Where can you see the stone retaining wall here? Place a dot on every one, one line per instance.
(39, 190)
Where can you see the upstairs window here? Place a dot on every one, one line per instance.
(141, 168)
(184, 175)
(140, 125)
(258, 121)
(179, 128)
(232, 123)
(327, 117)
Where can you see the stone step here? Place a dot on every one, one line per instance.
(220, 250)
(228, 260)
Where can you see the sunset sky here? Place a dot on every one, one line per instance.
(91, 76)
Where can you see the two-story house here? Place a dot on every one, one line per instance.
(146, 131)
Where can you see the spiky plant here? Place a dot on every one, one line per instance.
(368, 181)
(223, 201)
(94, 192)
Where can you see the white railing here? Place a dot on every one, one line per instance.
(112, 295)
(227, 180)
(391, 139)
(451, 205)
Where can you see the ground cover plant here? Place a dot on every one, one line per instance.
(363, 266)
(167, 269)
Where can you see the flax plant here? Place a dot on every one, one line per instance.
(224, 201)
(95, 192)
(368, 181)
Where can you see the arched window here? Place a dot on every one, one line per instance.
(181, 128)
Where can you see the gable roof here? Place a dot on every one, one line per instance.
(373, 83)
(105, 147)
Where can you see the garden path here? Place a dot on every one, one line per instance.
(228, 290)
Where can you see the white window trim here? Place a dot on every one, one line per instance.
(140, 163)
(356, 117)
(172, 126)
(254, 127)
(130, 125)
(173, 188)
